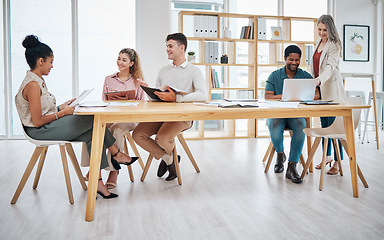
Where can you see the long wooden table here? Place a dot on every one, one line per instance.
(147, 111)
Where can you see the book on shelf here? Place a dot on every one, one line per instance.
(214, 79)
(246, 32)
(242, 33)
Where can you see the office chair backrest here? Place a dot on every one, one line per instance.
(337, 126)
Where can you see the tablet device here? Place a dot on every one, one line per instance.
(81, 97)
(127, 94)
(295, 89)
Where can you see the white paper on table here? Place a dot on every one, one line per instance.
(134, 104)
(277, 104)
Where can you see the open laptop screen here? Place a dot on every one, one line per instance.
(295, 89)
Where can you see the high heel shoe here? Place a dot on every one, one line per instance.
(318, 166)
(111, 195)
(116, 164)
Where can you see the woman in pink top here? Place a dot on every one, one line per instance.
(129, 77)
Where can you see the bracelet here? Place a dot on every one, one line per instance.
(56, 116)
(58, 108)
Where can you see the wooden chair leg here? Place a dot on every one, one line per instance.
(134, 148)
(362, 178)
(66, 173)
(129, 168)
(270, 159)
(75, 165)
(310, 156)
(359, 172)
(40, 167)
(301, 160)
(188, 151)
(146, 168)
(338, 155)
(27, 173)
(323, 162)
(176, 161)
(268, 152)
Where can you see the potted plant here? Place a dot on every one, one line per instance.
(191, 56)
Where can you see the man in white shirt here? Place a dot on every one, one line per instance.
(179, 75)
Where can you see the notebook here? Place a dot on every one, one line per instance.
(295, 89)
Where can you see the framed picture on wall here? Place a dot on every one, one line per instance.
(356, 43)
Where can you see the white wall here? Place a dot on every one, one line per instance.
(153, 25)
(362, 12)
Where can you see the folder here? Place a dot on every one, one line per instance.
(206, 52)
(261, 29)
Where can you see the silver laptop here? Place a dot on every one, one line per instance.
(295, 89)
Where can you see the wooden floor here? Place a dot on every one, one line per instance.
(231, 198)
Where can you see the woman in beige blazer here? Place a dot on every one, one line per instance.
(325, 69)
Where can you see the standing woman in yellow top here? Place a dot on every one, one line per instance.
(325, 69)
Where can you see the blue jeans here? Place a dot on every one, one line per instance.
(276, 128)
(326, 122)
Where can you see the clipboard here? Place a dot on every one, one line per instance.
(126, 94)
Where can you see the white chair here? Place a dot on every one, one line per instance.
(41, 151)
(360, 94)
(187, 151)
(335, 131)
(380, 110)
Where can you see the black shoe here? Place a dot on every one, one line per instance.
(172, 170)
(292, 173)
(116, 164)
(111, 195)
(162, 169)
(279, 166)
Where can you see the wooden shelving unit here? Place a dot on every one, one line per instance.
(242, 76)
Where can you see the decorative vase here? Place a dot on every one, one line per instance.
(227, 33)
(191, 58)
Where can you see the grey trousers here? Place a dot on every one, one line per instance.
(72, 128)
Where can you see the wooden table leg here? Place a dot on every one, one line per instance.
(94, 166)
(375, 112)
(309, 142)
(349, 132)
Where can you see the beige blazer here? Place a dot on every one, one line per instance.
(329, 74)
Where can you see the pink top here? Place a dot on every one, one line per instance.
(316, 62)
(113, 82)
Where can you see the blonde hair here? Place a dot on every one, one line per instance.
(135, 69)
(332, 33)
